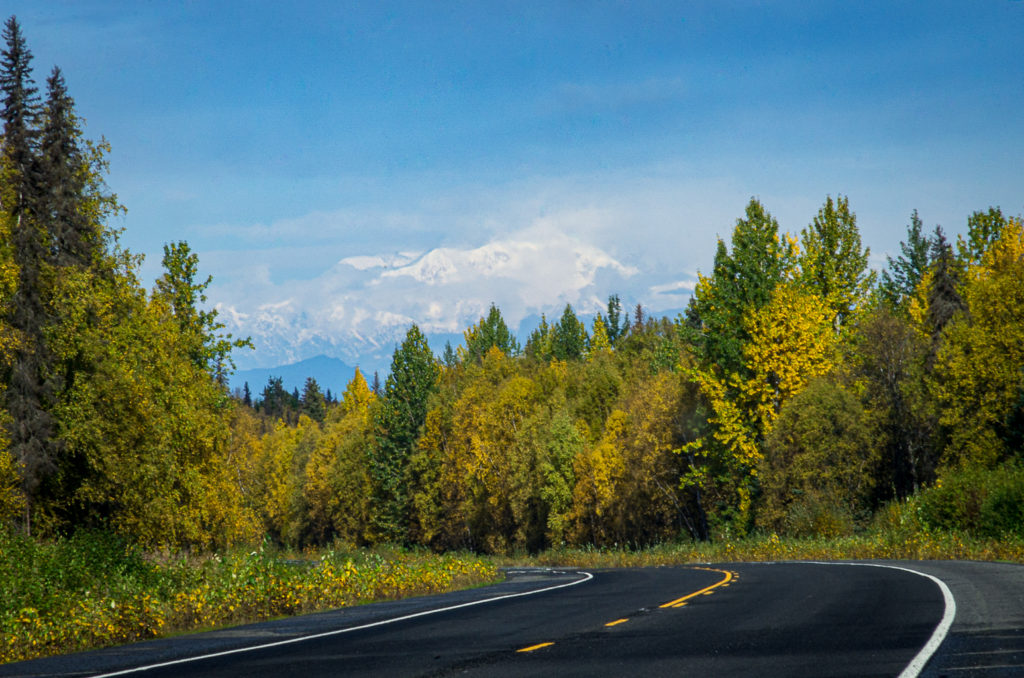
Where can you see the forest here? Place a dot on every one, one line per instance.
(801, 393)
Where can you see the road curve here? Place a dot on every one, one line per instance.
(768, 619)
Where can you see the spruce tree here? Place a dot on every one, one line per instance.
(413, 379)
(63, 173)
(314, 405)
(944, 300)
(569, 336)
(31, 387)
(490, 331)
(905, 272)
(612, 323)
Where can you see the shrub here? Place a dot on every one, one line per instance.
(985, 502)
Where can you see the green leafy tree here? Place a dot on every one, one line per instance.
(600, 341)
(741, 282)
(833, 263)
(978, 378)
(817, 473)
(887, 360)
(182, 291)
(983, 229)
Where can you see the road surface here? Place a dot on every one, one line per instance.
(734, 619)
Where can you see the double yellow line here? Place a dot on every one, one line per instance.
(680, 602)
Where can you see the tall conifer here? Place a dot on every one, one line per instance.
(31, 425)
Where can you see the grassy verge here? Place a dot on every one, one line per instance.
(919, 546)
(95, 590)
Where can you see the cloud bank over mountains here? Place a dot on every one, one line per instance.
(360, 307)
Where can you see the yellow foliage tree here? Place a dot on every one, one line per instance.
(979, 378)
(599, 342)
(791, 341)
(337, 480)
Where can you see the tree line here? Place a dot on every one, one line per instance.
(799, 393)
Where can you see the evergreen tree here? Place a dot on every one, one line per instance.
(904, 273)
(274, 400)
(944, 300)
(375, 387)
(20, 112)
(638, 318)
(314, 405)
(31, 387)
(612, 324)
(538, 344)
(413, 378)
(490, 331)
(246, 395)
(449, 357)
(569, 336)
(63, 175)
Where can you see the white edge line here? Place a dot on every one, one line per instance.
(587, 577)
(918, 663)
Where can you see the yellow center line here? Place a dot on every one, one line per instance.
(617, 622)
(534, 647)
(706, 591)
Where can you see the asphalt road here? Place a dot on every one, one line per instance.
(767, 619)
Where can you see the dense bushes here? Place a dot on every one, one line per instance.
(988, 503)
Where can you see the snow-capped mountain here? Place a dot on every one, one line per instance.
(360, 308)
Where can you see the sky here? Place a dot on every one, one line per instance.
(344, 169)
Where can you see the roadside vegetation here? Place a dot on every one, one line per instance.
(803, 406)
(96, 589)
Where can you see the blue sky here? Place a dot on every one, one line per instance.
(344, 169)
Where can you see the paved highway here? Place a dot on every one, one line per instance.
(765, 619)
